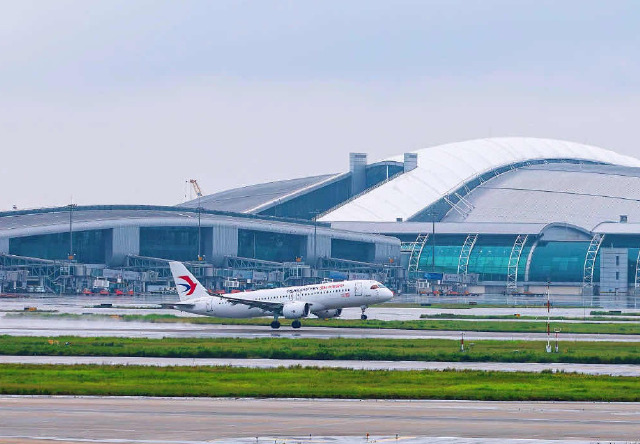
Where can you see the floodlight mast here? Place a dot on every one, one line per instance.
(548, 348)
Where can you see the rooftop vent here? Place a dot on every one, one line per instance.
(358, 168)
(410, 161)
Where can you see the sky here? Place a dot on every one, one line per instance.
(123, 101)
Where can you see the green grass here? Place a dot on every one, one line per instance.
(325, 349)
(463, 306)
(311, 383)
(516, 326)
(613, 313)
(591, 318)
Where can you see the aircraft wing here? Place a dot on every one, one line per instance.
(273, 307)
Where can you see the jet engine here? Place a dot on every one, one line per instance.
(295, 310)
(328, 314)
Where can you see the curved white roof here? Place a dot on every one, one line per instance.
(444, 168)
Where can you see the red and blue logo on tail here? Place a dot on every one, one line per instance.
(190, 286)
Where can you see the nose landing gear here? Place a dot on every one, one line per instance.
(363, 316)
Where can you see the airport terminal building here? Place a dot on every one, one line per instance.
(499, 215)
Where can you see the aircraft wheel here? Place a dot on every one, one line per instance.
(363, 317)
(296, 324)
(275, 325)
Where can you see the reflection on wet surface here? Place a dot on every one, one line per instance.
(149, 304)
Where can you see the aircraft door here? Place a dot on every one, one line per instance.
(358, 289)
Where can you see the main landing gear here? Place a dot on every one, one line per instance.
(363, 316)
(275, 324)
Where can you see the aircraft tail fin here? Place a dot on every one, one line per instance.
(187, 286)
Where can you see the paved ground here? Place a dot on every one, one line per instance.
(149, 304)
(590, 369)
(63, 327)
(140, 420)
(166, 420)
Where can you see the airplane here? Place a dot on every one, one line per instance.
(324, 300)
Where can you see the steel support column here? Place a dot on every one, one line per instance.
(636, 281)
(514, 262)
(416, 252)
(590, 260)
(465, 253)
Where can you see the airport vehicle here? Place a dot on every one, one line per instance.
(324, 300)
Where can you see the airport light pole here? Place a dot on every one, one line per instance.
(433, 235)
(71, 255)
(548, 347)
(315, 236)
(199, 232)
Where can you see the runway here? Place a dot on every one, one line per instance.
(172, 421)
(180, 420)
(150, 304)
(22, 326)
(534, 367)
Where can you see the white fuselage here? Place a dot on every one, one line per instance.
(320, 297)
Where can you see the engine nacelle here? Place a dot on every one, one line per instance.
(295, 310)
(328, 314)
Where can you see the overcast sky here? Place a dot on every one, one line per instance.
(114, 102)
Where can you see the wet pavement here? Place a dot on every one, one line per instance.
(266, 421)
(588, 369)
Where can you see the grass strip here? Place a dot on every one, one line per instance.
(373, 349)
(515, 326)
(528, 318)
(613, 313)
(311, 383)
(466, 305)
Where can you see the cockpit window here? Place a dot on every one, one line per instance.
(374, 286)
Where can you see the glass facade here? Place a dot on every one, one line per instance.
(378, 173)
(88, 246)
(489, 257)
(352, 250)
(447, 252)
(309, 205)
(550, 261)
(561, 262)
(267, 246)
(328, 196)
(177, 243)
(554, 261)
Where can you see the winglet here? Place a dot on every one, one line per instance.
(187, 286)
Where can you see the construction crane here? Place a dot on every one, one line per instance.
(198, 191)
(196, 187)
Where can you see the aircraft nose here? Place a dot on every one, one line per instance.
(387, 294)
